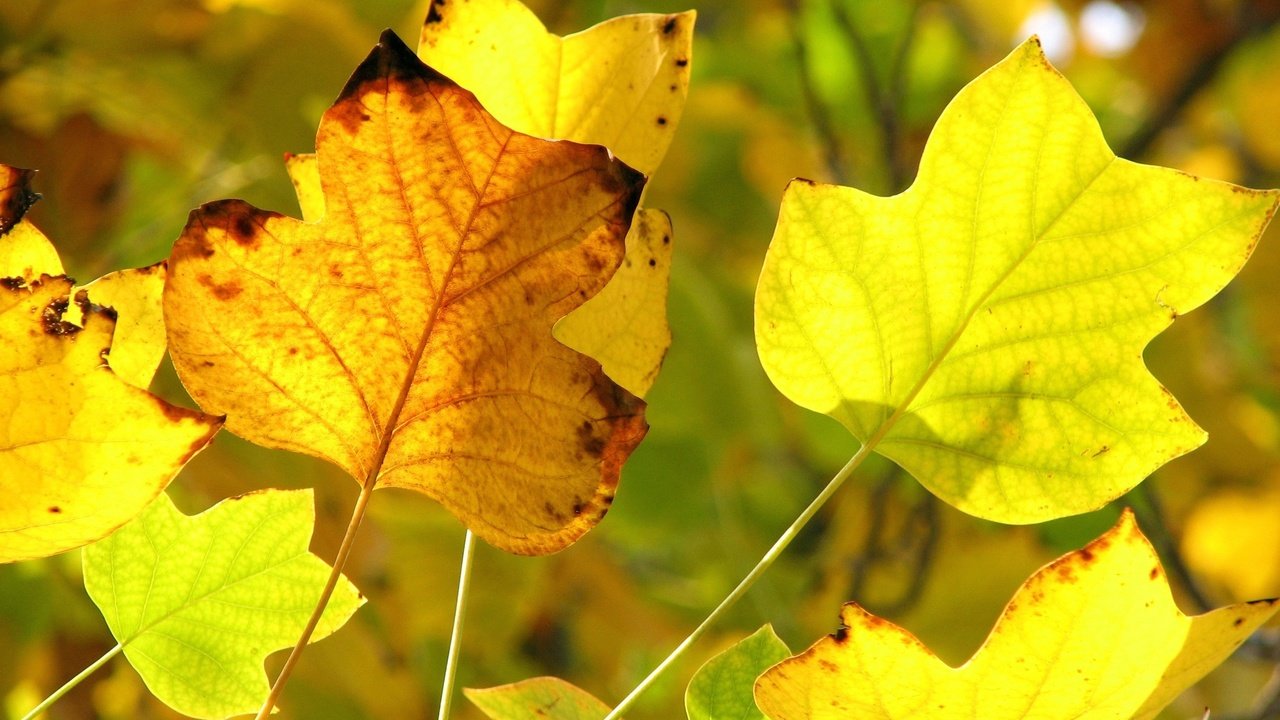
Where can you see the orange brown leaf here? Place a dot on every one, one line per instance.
(406, 335)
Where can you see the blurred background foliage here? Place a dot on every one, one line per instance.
(136, 111)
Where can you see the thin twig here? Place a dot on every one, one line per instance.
(340, 561)
(1200, 77)
(68, 685)
(833, 152)
(459, 612)
(884, 101)
(761, 567)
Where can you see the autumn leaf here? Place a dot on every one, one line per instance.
(541, 698)
(83, 451)
(621, 84)
(404, 336)
(501, 52)
(721, 689)
(984, 329)
(625, 325)
(198, 602)
(1093, 635)
(138, 345)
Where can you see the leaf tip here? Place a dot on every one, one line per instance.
(16, 196)
(389, 60)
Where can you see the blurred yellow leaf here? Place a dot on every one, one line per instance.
(536, 698)
(404, 336)
(1232, 540)
(1093, 635)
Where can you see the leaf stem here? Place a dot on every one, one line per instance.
(66, 687)
(761, 567)
(455, 639)
(344, 551)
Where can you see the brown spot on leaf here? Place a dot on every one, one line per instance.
(390, 63)
(433, 14)
(51, 319)
(662, 119)
(222, 291)
(1238, 622)
(841, 634)
(242, 230)
(12, 283)
(653, 262)
(1154, 574)
(55, 510)
(577, 507)
(681, 62)
(670, 25)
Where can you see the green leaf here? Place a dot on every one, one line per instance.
(540, 698)
(723, 688)
(198, 602)
(985, 328)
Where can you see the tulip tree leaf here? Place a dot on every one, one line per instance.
(985, 328)
(722, 689)
(405, 335)
(621, 84)
(1093, 635)
(198, 602)
(84, 450)
(541, 698)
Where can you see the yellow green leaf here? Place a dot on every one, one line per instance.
(198, 602)
(1093, 635)
(625, 325)
(621, 84)
(405, 336)
(984, 329)
(83, 451)
(540, 698)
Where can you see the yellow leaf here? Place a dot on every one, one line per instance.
(541, 697)
(24, 251)
(81, 451)
(405, 336)
(984, 329)
(621, 84)
(138, 345)
(304, 172)
(1093, 635)
(27, 254)
(625, 325)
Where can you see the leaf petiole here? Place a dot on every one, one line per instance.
(455, 639)
(344, 551)
(66, 687)
(755, 574)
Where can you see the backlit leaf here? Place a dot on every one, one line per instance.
(81, 450)
(985, 328)
(722, 688)
(404, 336)
(621, 84)
(198, 602)
(625, 325)
(541, 698)
(1093, 635)
(138, 345)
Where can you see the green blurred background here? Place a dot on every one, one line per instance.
(136, 112)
